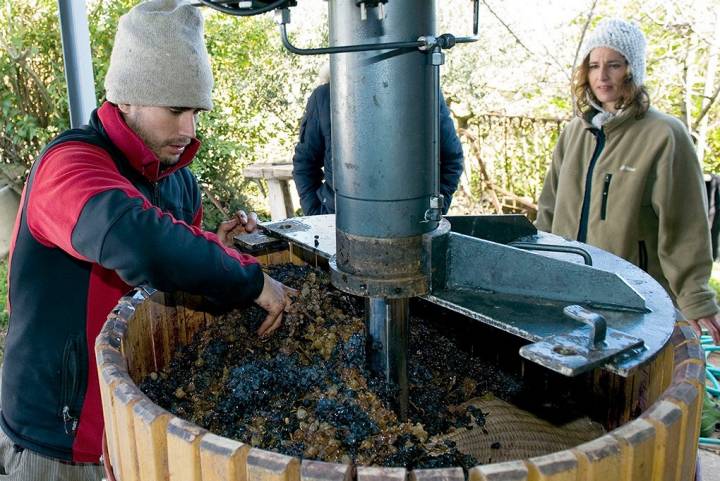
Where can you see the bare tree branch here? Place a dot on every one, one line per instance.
(529, 206)
(586, 25)
(507, 27)
(205, 189)
(709, 105)
(527, 49)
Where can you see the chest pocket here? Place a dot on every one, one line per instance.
(605, 195)
(173, 196)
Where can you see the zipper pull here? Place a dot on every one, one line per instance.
(68, 419)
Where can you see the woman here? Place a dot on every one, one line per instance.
(625, 177)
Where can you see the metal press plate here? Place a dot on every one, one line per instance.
(315, 233)
(526, 317)
(571, 354)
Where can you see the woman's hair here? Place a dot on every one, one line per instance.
(631, 95)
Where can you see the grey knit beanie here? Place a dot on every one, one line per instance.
(623, 37)
(159, 57)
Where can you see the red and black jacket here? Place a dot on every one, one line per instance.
(98, 215)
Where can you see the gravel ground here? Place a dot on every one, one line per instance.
(709, 465)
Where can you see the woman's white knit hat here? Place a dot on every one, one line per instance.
(623, 37)
(159, 57)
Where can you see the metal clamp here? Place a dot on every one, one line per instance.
(597, 323)
(434, 213)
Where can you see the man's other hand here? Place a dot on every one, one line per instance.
(240, 223)
(275, 299)
(711, 323)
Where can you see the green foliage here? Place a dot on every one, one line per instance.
(710, 416)
(514, 151)
(259, 98)
(32, 94)
(715, 285)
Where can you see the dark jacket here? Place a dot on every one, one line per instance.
(98, 215)
(312, 162)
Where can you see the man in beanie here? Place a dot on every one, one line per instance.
(106, 207)
(625, 177)
(312, 162)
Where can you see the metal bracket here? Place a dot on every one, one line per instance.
(597, 323)
(570, 354)
(258, 243)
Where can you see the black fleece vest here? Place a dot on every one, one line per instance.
(46, 350)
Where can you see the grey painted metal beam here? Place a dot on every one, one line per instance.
(507, 270)
(78, 60)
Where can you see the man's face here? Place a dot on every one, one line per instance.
(165, 130)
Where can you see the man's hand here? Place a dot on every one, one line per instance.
(275, 299)
(240, 223)
(711, 323)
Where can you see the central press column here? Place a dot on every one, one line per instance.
(382, 146)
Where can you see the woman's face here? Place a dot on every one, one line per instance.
(606, 75)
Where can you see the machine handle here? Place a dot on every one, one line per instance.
(531, 246)
(597, 323)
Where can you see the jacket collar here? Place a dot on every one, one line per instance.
(141, 158)
(612, 124)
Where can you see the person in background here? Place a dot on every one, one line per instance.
(109, 206)
(625, 178)
(312, 162)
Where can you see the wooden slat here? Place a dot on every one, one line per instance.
(280, 199)
(181, 318)
(443, 474)
(133, 342)
(688, 352)
(691, 372)
(183, 443)
(194, 317)
(269, 171)
(559, 466)
(320, 471)
(167, 329)
(296, 256)
(662, 364)
(268, 466)
(668, 367)
(682, 334)
(687, 397)
(507, 471)
(162, 314)
(125, 396)
(637, 449)
(667, 419)
(109, 377)
(280, 257)
(615, 395)
(222, 459)
(381, 474)
(599, 459)
(643, 379)
(150, 424)
(107, 355)
(140, 353)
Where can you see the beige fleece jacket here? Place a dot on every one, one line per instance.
(647, 201)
